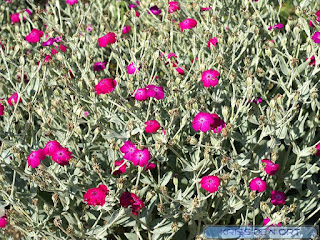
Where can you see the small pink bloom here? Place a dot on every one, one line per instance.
(54, 51)
(278, 26)
(141, 94)
(312, 60)
(109, 38)
(318, 148)
(15, 18)
(126, 29)
(137, 204)
(96, 196)
(141, 157)
(34, 36)
(316, 37)
(271, 168)
(99, 66)
(105, 86)
(131, 69)
(89, 28)
(163, 132)
(206, 8)
(152, 126)
(154, 10)
(128, 149)
(218, 124)
(137, 14)
(155, 91)
(311, 24)
(3, 221)
(188, 24)
(256, 100)
(29, 11)
(134, 5)
(212, 41)
(277, 198)
(62, 156)
(258, 184)
(269, 28)
(36, 157)
(150, 166)
(202, 122)
(47, 58)
(170, 55)
(122, 168)
(58, 39)
(14, 99)
(173, 6)
(267, 220)
(1, 109)
(85, 113)
(49, 42)
(71, 2)
(63, 48)
(126, 199)
(1, 45)
(51, 147)
(180, 70)
(210, 183)
(209, 78)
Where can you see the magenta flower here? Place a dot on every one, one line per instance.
(15, 18)
(152, 126)
(3, 221)
(36, 157)
(173, 6)
(316, 37)
(47, 58)
(51, 147)
(150, 166)
(278, 26)
(62, 156)
(109, 38)
(209, 78)
(131, 69)
(311, 24)
(63, 48)
(34, 36)
(85, 113)
(129, 199)
(14, 99)
(105, 86)
(128, 149)
(126, 199)
(99, 66)
(318, 150)
(1, 109)
(154, 10)
(312, 60)
(58, 39)
(141, 94)
(256, 100)
(71, 2)
(54, 51)
(49, 42)
(155, 91)
(180, 70)
(134, 5)
(277, 198)
(218, 124)
(188, 24)
(96, 196)
(267, 220)
(170, 55)
(212, 41)
(122, 168)
(206, 8)
(258, 184)
(202, 122)
(210, 183)
(271, 168)
(141, 157)
(126, 29)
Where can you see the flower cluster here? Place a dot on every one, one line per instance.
(205, 121)
(143, 94)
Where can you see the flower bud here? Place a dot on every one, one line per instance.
(272, 103)
(193, 141)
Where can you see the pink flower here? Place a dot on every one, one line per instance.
(71, 2)
(15, 18)
(99, 66)
(96, 196)
(109, 38)
(258, 184)
(131, 69)
(155, 91)
(212, 41)
(316, 37)
(170, 55)
(311, 24)
(312, 61)
(47, 58)
(202, 122)
(49, 42)
(134, 5)
(206, 8)
(173, 6)
(63, 48)
(130, 199)
(180, 70)
(1, 109)
(126, 29)
(150, 166)
(105, 86)
(14, 99)
(188, 24)
(128, 149)
(34, 36)
(209, 78)
(163, 132)
(36, 157)
(277, 198)
(267, 220)
(278, 26)
(51, 147)
(85, 113)
(210, 183)
(256, 100)
(62, 156)
(54, 51)
(154, 10)
(137, 14)
(58, 39)
(152, 126)
(89, 28)
(3, 221)
(218, 124)
(141, 94)
(126, 199)
(141, 157)
(122, 168)
(318, 148)
(270, 168)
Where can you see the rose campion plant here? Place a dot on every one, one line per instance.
(109, 38)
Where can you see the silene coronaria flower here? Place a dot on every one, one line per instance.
(3, 221)
(14, 99)
(271, 168)
(209, 78)
(99, 66)
(212, 41)
(210, 183)
(62, 156)
(152, 126)
(71, 2)
(51, 147)
(141, 94)
(131, 68)
(35, 158)
(188, 24)
(130, 199)
(122, 167)
(1, 109)
(218, 124)
(173, 6)
(105, 86)
(257, 184)
(316, 37)
(155, 91)
(109, 38)
(267, 220)
(126, 29)
(128, 149)
(34, 36)
(278, 198)
(154, 10)
(141, 157)
(202, 122)
(96, 196)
